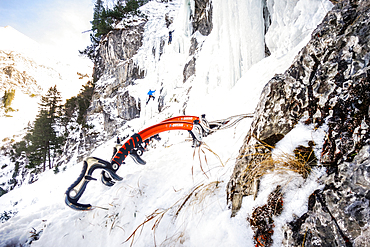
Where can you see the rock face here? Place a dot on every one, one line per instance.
(327, 84)
(202, 18)
(116, 52)
(267, 23)
(201, 21)
(14, 73)
(114, 71)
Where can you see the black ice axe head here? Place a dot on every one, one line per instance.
(75, 191)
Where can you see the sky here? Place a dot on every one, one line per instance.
(52, 23)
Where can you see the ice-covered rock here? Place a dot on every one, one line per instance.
(327, 85)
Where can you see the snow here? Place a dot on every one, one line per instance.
(16, 41)
(184, 186)
(46, 68)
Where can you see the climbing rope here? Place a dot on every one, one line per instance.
(226, 123)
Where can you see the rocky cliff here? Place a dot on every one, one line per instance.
(111, 102)
(326, 86)
(119, 66)
(14, 73)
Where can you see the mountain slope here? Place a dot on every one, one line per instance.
(30, 70)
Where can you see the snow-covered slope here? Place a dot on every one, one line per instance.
(12, 40)
(31, 70)
(182, 190)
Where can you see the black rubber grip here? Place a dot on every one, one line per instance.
(134, 142)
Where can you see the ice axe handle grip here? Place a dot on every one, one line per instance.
(135, 141)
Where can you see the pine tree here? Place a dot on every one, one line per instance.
(51, 103)
(98, 9)
(131, 6)
(48, 133)
(100, 24)
(99, 27)
(40, 134)
(74, 110)
(45, 141)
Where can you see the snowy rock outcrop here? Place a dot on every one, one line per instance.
(111, 102)
(202, 17)
(201, 20)
(15, 73)
(115, 54)
(32, 69)
(328, 87)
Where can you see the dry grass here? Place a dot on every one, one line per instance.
(178, 237)
(113, 219)
(287, 162)
(201, 150)
(196, 196)
(261, 161)
(156, 216)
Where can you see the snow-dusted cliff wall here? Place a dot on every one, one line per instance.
(327, 90)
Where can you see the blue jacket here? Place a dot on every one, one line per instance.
(151, 92)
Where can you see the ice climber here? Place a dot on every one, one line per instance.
(170, 36)
(151, 96)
